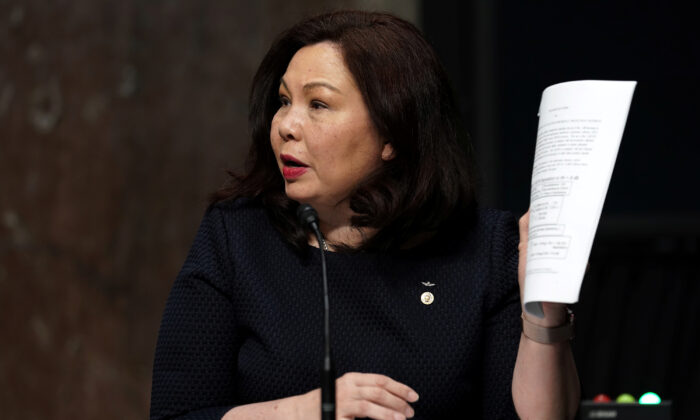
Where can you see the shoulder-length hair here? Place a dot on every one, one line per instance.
(428, 183)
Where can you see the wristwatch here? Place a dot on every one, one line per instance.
(549, 335)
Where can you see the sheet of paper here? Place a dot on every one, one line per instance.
(580, 128)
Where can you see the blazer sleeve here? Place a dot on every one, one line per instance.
(502, 321)
(195, 358)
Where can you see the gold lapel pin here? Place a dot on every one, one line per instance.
(427, 298)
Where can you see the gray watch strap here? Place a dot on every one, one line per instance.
(549, 335)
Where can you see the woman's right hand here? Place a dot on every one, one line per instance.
(370, 395)
(356, 394)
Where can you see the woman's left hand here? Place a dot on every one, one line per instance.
(545, 381)
(554, 313)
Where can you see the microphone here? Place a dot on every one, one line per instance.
(308, 217)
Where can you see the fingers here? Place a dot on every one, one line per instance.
(382, 397)
(373, 395)
(383, 381)
(523, 225)
(364, 408)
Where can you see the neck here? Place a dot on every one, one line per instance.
(336, 228)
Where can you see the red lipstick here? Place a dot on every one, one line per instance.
(291, 173)
(293, 167)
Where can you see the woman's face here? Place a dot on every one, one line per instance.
(322, 135)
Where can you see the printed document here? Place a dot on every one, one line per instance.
(580, 128)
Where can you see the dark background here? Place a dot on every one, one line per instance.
(638, 314)
(119, 117)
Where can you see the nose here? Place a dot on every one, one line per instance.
(290, 125)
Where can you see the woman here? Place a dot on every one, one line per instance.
(351, 112)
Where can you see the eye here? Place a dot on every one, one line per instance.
(316, 104)
(284, 101)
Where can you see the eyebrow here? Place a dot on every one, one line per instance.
(313, 85)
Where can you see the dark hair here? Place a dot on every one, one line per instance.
(427, 184)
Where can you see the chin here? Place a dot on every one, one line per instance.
(298, 195)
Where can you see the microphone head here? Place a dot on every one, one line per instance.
(307, 215)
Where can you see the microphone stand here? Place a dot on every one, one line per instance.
(328, 370)
(308, 217)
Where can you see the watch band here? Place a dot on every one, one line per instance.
(549, 335)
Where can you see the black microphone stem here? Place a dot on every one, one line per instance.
(328, 370)
(309, 218)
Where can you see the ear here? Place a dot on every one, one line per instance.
(387, 152)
